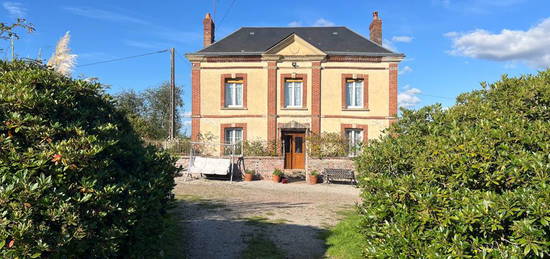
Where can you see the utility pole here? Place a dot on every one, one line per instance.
(12, 48)
(172, 133)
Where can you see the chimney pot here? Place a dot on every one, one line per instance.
(376, 29)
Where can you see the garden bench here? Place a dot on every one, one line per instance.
(332, 174)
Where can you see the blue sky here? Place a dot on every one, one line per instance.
(450, 45)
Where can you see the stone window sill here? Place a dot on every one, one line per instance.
(293, 109)
(234, 108)
(356, 109)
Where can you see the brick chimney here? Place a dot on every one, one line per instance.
(208, 30)
(376, 29)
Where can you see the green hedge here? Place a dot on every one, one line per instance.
(470, 180)
(75, 180)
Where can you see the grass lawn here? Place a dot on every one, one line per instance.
(344, 240)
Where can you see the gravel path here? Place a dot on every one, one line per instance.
(220, 218)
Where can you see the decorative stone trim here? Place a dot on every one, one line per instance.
(195, 100)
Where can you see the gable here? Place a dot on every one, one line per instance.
(294, 45)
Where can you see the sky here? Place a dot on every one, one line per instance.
(450, 45)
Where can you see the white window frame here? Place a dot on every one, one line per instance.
(357, 87)
(355, 139)
(293, 86)
(231, 86)
(231, 138)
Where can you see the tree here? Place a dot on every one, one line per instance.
(149, 111)
(469, 181)
(7, 31)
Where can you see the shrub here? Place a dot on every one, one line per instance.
(314, 173)
(327, 144)
(471, 180)
(252, 172)
(75, 179)
(260, 148)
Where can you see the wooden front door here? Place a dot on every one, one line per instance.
(294, 148)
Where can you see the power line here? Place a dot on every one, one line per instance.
(124, 58)
(227, 12)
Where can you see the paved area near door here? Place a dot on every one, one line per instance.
(221, 218)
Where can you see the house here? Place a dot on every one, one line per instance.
(282, 83)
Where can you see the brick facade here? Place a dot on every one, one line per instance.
(316, 97)
(271, 100)
(196, 101)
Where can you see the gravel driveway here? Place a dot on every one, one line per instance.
(220, 218)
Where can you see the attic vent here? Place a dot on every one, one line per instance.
(334, 33)
(251, 33)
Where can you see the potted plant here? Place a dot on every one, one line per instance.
(313, 177)
(249, 175)
(277, 174)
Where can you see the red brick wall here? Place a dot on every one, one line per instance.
(316, 97)
(264, 166)
(196, 100)
(271, 100)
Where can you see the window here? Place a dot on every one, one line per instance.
(234, 93)
(355, 140)
(233, 136)
(354, 93)
(293, 93)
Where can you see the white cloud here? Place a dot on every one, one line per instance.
(104, 15)
(529, 47)
(294, 24)
(408, 98)
(406, 39)
(389, 45)
(15, 9)
(405, 69)
(321, 22)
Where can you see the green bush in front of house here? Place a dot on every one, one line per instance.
(75, 179)
(471, 180)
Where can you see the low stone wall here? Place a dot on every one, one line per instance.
(264, 166)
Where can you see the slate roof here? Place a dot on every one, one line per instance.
(331, 40)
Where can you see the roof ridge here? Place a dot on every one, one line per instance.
(289, 27)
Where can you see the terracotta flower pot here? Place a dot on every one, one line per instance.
(248, 177)
(312, 179)
(276, 178)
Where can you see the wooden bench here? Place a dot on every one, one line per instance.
(332, 174)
